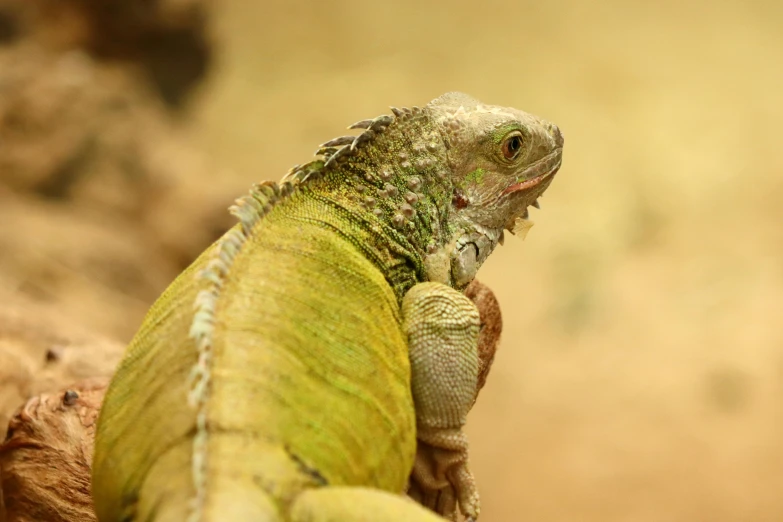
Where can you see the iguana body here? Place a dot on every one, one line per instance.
(276, 378)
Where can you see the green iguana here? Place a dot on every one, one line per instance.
(287, 373)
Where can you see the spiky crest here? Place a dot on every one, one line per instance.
(337, 149)
(249, 210)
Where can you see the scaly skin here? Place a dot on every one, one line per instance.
(286, 374)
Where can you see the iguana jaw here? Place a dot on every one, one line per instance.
(536, 173)
(475, 243)
(534, 181)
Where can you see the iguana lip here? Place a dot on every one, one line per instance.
(537, 172)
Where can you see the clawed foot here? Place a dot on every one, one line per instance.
(441, 479)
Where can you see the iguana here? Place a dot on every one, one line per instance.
(287, 373)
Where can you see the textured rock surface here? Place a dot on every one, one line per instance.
(46, 457)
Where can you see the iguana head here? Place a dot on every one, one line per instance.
(441, 181)
(500, 161)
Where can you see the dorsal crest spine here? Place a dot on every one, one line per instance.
(249, 210)
(334, 150)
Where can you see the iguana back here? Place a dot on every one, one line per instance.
(298, 380)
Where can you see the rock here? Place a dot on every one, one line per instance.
(46, 457)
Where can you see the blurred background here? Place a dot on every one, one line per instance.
(640, 376)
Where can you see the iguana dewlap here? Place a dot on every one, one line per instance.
(286, 374)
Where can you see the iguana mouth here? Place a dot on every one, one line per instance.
(537, 172)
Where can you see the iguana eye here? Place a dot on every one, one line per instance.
(512, 146)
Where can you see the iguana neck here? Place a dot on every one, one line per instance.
(394, 191)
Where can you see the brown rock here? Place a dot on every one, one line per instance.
(46, 457)
(40, 351)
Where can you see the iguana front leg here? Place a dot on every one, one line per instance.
(450, 357)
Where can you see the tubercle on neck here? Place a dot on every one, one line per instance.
(398, 179)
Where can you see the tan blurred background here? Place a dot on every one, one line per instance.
(641, 371)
